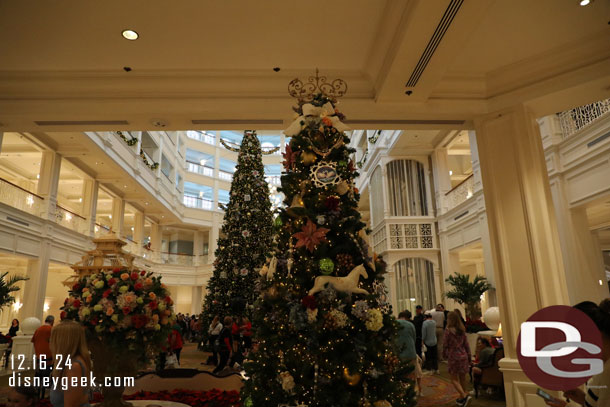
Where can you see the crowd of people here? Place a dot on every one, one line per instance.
(439, 335)
(230, 342)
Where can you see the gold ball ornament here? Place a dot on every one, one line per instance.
(351, 379)
(342, 187)
(382, 403)
(308, 158)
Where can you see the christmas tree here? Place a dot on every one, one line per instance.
(324, 328)
(245, 238)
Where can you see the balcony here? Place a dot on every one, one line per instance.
(460, 193)
(197, 202)
(70, 219)
(572, 121)
(199, 169)
(404, 233)
(225, 176)
(20, 198)
(202, 136)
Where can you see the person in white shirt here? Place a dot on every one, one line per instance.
(438, 315)
(214, 331)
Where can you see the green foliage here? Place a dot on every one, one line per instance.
(7, 287)
(245, 239)
(330, 348)
(468, 292)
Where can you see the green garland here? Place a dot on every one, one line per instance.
(130, 142)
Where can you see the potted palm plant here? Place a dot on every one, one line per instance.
(468, 293)
(8, 287)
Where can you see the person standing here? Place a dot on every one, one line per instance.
(175, 342)
(457, 352)
(406, 346)
(42, 347)
(225, 350)
(214, 331)
(68, 340)
(12, 332)
(418, 320)
(429, 339)
(438, 315)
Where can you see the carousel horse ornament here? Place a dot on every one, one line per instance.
(348, 284)
(269, 270)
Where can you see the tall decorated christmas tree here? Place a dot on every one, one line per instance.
(245, 238)
(325, 330)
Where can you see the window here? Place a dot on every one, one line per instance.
(407, 188)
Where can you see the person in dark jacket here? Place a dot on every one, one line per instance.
(418, 320)
(225, 340)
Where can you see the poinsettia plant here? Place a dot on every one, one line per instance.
(126, 310)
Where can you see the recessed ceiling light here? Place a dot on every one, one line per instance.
(130, 35)
(585, 2)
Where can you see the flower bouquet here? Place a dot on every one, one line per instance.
(127, 315)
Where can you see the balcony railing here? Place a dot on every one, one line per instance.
(574, 120)
(226, 176)
(197, 202)
(199, 169)
(69, 219)
(202, 136)
(460, 193)
(101, 230)
(403, 234)
(20, 198)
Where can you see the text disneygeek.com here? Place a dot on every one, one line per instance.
(64, 382)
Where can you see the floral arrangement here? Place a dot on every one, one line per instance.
(475, 325)
(126, 309)
(130, 142)
(152, 166)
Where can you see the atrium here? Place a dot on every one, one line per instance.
(480, 131)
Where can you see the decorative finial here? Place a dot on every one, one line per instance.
(305, 92)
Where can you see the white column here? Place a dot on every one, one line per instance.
(196, 297)
(1, 137)
(439, 286)
(118, 213)
(442, 181)
(138, 231)
(197, 247)
(36, 287)
(89, 208)
(386, 192)
(488, 263)
(50, 166)
(523, 234)
(213, 237)
(155, 241)
(390, 282)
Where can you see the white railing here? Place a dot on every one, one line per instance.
(199, 169)
(69, 219)
(403, 234)
(20, 198)
(196, 202)
(576, 119)
(131, 246)
(227, 176)
(101, 230)
(460, 193)
(202, 136)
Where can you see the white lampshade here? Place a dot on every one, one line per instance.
(29, 325)
(492, 318)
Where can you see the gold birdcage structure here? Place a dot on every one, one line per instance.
(107, 255)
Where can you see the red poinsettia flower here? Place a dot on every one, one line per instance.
(310, 236)
(112, 281)
(76, 304)
(332, 203)
(134, 275)
(310, 302)
(106, 293)
(289, 157)
(126, 310)
(350, 166)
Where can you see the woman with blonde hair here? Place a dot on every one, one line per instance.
(71, 355)
(457, 352)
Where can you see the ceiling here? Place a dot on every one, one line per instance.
(201, 64)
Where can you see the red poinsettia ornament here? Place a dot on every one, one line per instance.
(310, 236)
(290, 157)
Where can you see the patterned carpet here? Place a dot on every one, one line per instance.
(436, 392)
